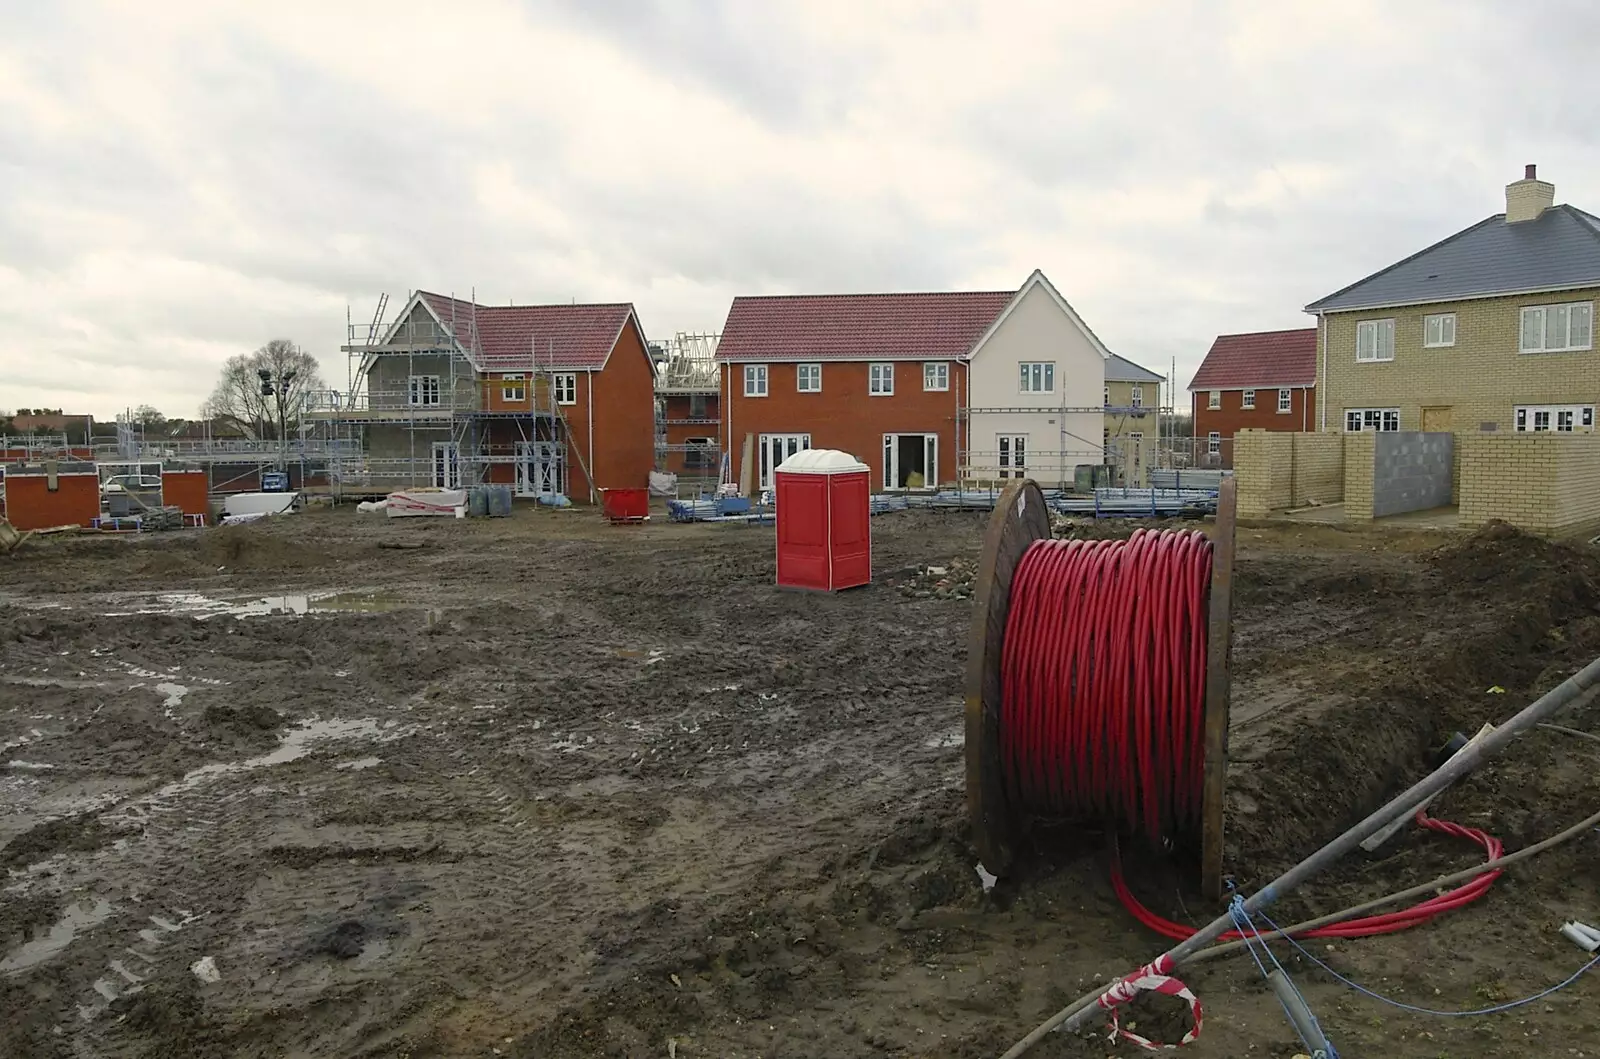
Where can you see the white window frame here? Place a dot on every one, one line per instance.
(1136, 398)
(880, 378)
(1544, 314)
(423, 391)
(755, 380)
(1361, 420)
(1579, 417)
(891, 460)
(935, 376)
(1285, 400)
(1036, 376)
(519, 392)
(1247, 400)
(770, 445)
(1214, 443)
(1444, 324)
(1214, 400)
(1377, 338)
(565, 385)
(808, 378)
(1012, 450)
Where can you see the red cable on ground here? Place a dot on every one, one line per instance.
(1103, 693)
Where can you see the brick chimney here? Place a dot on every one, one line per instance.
(1527, 198)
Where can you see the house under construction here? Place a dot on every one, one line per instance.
(550, 399)
(688, 387)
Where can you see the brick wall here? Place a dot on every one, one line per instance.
(1359, 459)
(1545, 483)
(1318, 469)
(1262, 462)
(1278, 470)
(1478, 380)
(1411, 471)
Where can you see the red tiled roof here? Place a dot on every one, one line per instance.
(1261, 360)
(844, 326)
(566, 336)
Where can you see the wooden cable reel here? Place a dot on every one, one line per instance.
(1021, 517)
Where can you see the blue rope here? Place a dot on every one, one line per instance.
(1247, 931)
(1497, 1009)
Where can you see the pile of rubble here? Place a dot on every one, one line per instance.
(948, 581)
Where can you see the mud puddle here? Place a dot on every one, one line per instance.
(75, 919)
(297, 604)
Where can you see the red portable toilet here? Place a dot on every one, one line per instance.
(824, 516)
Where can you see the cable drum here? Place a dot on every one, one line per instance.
(1103, 672)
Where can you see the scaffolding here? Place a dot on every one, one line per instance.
(1120, 456)
(688, 416)
(426, 405)
(232, 464)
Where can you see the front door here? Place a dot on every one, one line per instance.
(1436, 420)
(1013, 455)
(446, 465)
(541, 468)
(910, 461)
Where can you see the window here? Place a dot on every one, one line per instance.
(1285, 402)
(936, 375)
(1247, 400)
(755, 380)
(566, 387)
(1138, 396)
(808, 378)
(697, 406)
(1439, 330)
(1555, 328)
(1013, 455)
(1214, 443)
(513, 387)
(1381, 419)
(424, 390)
(880, 379)
(1038, 377)
(774, 449)
(1375, 340)
(1563, 419)
(699, 454)
(1214, 401)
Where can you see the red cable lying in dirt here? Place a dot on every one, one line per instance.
(1387, 923)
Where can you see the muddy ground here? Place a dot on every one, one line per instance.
(544, 788)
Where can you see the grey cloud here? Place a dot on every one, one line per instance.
(748, 52)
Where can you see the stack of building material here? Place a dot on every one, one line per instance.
(445, 503)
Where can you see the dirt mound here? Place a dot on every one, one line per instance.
(1501, 558)
(256, 547)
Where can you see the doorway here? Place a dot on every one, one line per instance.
(541, 468)
(1436, 420)
(775, 448)
(910, 461)
(446, 465)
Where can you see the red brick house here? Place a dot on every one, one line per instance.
(856, 372)
(1265, 380)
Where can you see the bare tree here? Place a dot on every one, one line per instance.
(149, 417)
(265, 391)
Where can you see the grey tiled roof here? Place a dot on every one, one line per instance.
(1120, 369)
(1561, 248)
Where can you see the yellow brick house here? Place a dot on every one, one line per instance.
(1489, 331)
(1133, 421)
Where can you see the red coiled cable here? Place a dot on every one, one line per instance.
(1103, 693)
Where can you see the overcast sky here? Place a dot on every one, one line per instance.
(181, 180)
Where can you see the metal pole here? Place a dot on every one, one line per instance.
(1465, 761)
